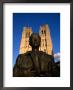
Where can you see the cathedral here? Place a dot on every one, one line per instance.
(46, 42)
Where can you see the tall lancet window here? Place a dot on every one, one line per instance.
(27, 34)
(44, 32)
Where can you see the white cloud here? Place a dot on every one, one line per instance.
(57, 55)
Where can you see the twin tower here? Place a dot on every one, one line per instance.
(46, 42)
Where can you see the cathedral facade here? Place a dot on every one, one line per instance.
(46, 41)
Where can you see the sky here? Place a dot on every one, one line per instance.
(35, 20)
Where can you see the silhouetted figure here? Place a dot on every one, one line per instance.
(35, 63)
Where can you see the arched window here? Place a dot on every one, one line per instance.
(27, 34)
(43, 44)
(42, 31)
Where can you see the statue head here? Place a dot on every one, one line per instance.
(34, 40)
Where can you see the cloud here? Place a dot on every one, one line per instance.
(57, 57)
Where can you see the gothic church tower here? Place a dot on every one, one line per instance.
(24, 45)
(46, 42)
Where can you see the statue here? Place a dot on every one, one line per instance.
(35, 63)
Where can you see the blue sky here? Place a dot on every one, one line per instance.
(34, 20)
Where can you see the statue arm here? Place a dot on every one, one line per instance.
(17, 67)
(21, 68)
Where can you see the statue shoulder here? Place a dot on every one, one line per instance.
(46, 56)
(23, 60)
(19, 59)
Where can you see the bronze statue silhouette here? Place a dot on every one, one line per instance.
(35, 63)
